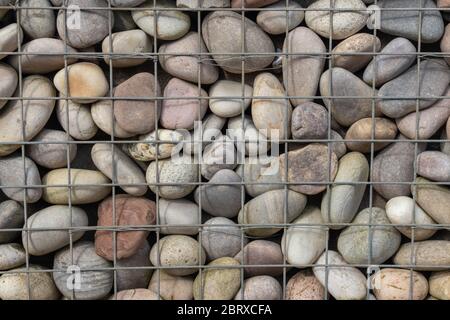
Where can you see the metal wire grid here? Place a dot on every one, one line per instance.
(202, 57)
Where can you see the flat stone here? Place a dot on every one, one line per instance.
(93, 284)
(343, 283)
(353, 244)
(40, 242)
(119, 166)
(76, 119)
(228, 107)
(93, 191)
(347, 111)
(172, 287)
(179, 212)
(434, 199)
(220, 283)
(33, 61)
(37, 113)
(302, 245)
(341, 203)
(129, 211)
(309, 121)
(101, 113)
(134, 278)
(11, 217)
(128, 43)
(260, 288)
(274, 22)
(50, 155)
(261, 252)
(309, 164)
(8, 38)
(428, 255)
(345, 23)
(304, 286)
(395, 284)
(170, 25)
(395, 58)
(434, 165)
(12, 174)
(174, 60)
(8, 84)
(12, 255)
(94, 24)
(439, 283)
(178, 250)
(137, 116)
(381, 128)
(405, 23)
(149, 151)
(179, 172)
(219, 155)
(221, 32)
(36, 22)
(434, 81)
(269, 208)
(362, 43)
(304, 65)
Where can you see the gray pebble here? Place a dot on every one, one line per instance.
(11, 217)
(37, 23)
(12, 255)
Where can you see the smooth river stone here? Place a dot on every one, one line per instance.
(175, 61)
(11, 217)
(182, 113)
(119, 166)
(304, 286)
(304, 65)
(445, 43)
(79, 194)
(221, 31)
(37, 113)
(171, 287)
(220, 154)
(302, 245)
(434, 199)
(139, 277)
(313, 163)
(205, 132)
(345, 23)
(127, 211)
(127, 43)
(135, 294)
(218, 283)
(439, 285)
(9, 81)
(180, 173)
(14, 286)
(274, 22)
(347, 111)
(221, 197)
(87, 82)
(309, 121)
(170, 25)
(353, 241)
(361, 43)
(341, 204)
(181, 212)
(94, 24)
(94, 284)
(8, 38)
(36, 22)
(12, 255)
(256, 143)
(33, 61)
(428, 255)
(382, 129)
(343, 281)
(12, 174)
(395, 284)
(137, 116)
(434, 165)
(52, 155)
(229, 107)
(395, 58)
(405, 23)
(101, 113)
(261, 252)
(395, 163)
(149, 151)
(430, 120)
(221, 237)
(434, 81)
(269, 209)
(260, 288)
(181, 254)
(403, 210)
(40, 242)
(76, 119)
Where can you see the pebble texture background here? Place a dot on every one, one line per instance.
(133, 150)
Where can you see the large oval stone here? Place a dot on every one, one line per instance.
(226, 106)
(434, 165)
(260, 288)
(11, 217)
(36, 21)
(275, 22)
(76, 119)
(434, 199)
(428, 255)
(9, 36)
(439, 283)
(304, 286)
(12, 255)
(8, 84)
(395, 284)
(260, 253)
(179, 216)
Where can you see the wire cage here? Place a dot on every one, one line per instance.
(284, 200)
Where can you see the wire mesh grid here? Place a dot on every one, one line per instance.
(283, 144)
